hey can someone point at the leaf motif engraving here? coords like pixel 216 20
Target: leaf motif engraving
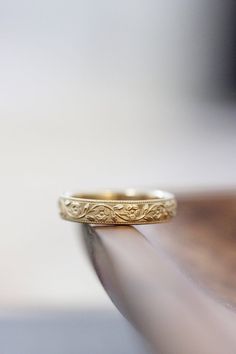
pixel 125 213
pixel 118 206
pixel 91 218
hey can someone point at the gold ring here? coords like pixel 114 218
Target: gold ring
pixel 118 208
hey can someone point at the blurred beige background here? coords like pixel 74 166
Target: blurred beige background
pixel 99 94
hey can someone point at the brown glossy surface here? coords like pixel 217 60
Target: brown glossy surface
pixel 175 282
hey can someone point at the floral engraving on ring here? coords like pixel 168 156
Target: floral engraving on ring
pixel 74 208
pixel 118 213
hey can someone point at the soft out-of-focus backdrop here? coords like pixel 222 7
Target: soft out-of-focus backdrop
pixel 103 94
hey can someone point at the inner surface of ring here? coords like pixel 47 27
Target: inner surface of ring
pixel 129 195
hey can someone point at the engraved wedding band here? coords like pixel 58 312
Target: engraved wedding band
pixel 118 208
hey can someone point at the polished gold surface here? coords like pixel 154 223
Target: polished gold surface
pixel 116 208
